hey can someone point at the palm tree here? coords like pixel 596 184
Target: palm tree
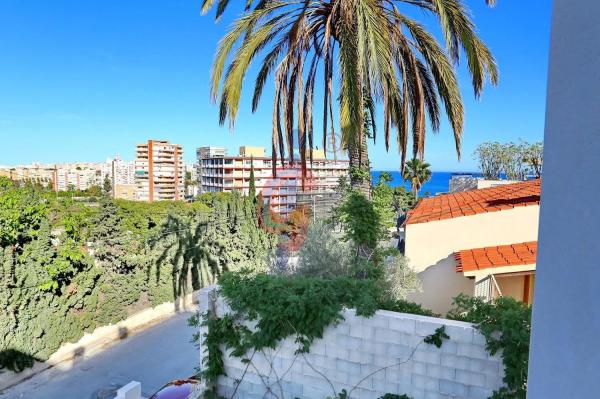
pixel 376 53
pixel 418 173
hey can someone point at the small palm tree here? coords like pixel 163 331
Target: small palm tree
pixel 418 173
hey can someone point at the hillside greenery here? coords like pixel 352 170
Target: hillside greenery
pixel 67 266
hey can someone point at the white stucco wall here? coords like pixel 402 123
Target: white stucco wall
pixel 482 183
pixel 440 283
pixel 362 347
pixel 565 355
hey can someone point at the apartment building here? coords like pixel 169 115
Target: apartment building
pixel 79 176
pixel 159 171
pixel 36 173
pixel 219 172
pixel 122 172
pixel 123 178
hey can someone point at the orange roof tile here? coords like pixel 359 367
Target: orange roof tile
pixel 473 202
pixel 504 255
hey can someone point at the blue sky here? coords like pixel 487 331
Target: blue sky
pixel 84 80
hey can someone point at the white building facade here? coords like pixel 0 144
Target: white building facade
pixel 219 172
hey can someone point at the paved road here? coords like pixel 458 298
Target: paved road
pixel 153 357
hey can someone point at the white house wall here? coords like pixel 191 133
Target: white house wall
pixel 440 284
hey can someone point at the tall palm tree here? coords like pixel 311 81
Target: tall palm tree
pixel 417 173
pixel 370 50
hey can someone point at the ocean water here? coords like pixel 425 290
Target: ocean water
pixel 438 183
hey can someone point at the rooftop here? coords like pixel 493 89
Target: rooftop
pixel 490 257
pixel 473 202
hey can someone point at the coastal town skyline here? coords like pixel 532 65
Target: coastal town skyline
pixel 106 89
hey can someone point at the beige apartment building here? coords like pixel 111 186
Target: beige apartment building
pixel 159 171
pixel 36 173
pixel 219 172
pixel 79 176
pixel 479 242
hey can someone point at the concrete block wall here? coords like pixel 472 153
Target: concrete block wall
pixel 368 357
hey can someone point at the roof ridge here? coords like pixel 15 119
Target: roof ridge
pixel 477 201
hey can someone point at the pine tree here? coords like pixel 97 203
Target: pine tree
pixel 109 240
pixel 107 186
pixel 252 190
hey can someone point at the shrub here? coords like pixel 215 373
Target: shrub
pixel 400 278
pixel 323 253
pixel 360 222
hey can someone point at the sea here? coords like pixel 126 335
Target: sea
pixel 438 184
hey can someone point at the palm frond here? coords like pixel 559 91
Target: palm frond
pixel 368 54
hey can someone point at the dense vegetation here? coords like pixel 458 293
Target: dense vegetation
pixel 67 267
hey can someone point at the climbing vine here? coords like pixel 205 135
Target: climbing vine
pixel 437 338
pixel 506 325
pixel 283 307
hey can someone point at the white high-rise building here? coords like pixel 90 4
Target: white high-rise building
pixel 220 172
pixel 123 178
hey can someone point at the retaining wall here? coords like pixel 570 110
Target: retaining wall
pixel 101 338
pixel 368 357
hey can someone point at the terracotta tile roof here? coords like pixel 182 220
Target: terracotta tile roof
pixel 504 255
pixel 473 202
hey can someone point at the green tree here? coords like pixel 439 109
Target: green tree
pixel 403 199
pixel 188 181
pixel 533 155
pixel 22 211
pixel 252 189
pixel 145 254
pixel 417 173
pixel 110 241
pixel 372 48
pixel 361 223
pixel 61 263
pixel 383 200
pixel 107 185
pixel 401 280
pixel 6 183
pixel 92 191
pixel 490 162
pixel 513 160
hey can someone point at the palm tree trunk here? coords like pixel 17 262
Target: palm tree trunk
pixel 358 156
